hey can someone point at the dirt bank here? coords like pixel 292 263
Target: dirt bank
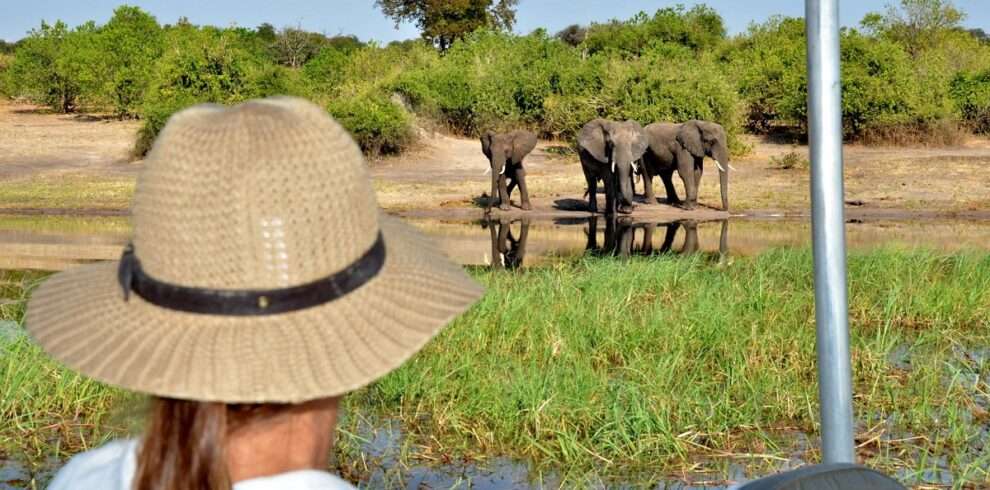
pixel 74 157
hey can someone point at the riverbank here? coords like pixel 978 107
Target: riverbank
pixel 679 366
pixel 77 164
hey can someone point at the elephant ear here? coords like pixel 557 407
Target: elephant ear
pixel 523 143
pixel 486 143
pixel 593 139
pixel 689 137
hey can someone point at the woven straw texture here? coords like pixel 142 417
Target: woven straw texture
pixel 268 194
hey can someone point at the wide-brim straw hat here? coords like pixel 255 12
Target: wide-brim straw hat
pixel 257 202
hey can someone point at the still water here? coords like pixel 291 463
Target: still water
pixel 54 243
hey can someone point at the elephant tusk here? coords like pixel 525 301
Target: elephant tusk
pixel 501 258
pixel 732 168
pixel 613 166
pixel 487 171
pixel 719 165
pixel 502 172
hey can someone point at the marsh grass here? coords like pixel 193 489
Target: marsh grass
pixel 67 192
pixel 640 369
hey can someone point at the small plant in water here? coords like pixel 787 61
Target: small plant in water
pixel 789 160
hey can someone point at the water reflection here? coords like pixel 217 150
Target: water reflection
pixel 625 237
pixel 508 249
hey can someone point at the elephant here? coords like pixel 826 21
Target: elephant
pixel 505 152
pixel 683 147
pixel 507 250
pixel 621 238
pixel 608 151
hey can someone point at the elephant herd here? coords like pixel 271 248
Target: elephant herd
pixel 613 153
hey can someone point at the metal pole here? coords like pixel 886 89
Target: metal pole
pixel 828 231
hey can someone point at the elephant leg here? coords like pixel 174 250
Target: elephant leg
pixel 592 181
pixel 524 193
pixel 667 176
pixel 492 225
pixel 648 238
pixel 610 197
pixel 651 198
pixel 690 238
pixel 668 238
pixel 592 243
pixel 503 194
pixel 493 196
pixel 699 170
pixel 685 167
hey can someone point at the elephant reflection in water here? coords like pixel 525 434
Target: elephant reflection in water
pixel 621 238
pixel 507 249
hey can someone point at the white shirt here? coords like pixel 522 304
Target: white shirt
pixel 112 466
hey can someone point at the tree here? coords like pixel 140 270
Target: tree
pixel 572 34
pixel 915 24
pixel 294 46
pixel 444 21
pixel 129 43
pixel 266 32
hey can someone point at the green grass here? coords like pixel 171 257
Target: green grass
pixel 63 225
pixel 66 192
pixel 652 367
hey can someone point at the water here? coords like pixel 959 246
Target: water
pixel 47 243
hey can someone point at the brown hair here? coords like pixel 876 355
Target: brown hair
pixel 184 445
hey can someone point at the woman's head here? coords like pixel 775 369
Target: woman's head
pixel 261 276
pixel 193 445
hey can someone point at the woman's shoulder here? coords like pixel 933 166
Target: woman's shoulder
pixel 110 467
pixel 296 480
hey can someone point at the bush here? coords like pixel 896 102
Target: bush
pixel 199 65
pixel 971 96
pixel 377 124
pixel 701 28
pixel 789 160
pixel 40 71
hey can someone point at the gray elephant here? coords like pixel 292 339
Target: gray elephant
pixel 683 147
pixel 505 152
pixel 608 151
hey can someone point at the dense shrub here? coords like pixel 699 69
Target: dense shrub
pixel 971 95
pixel 377 124
pixel 700 28
pixel 39 69
pixel 673 65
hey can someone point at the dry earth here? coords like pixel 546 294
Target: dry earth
pixel 444 176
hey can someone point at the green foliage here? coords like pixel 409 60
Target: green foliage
pixel 971 95
pixel 912 70
pixel 40 69
pixel 377 124
pixel 916 25
pixel 442 23
pixel 128 46
pixel 769 64
pixel 496 80
pixel 700 28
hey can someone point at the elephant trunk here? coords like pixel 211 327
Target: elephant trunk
pixel 624 176
pixel 721 156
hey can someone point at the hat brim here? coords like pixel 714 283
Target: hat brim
pixel 80 318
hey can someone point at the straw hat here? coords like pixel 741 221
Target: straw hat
pixel 261 269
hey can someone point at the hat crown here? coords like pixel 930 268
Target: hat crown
pixel 268 194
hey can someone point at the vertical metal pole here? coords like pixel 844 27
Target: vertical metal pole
pixel 828 231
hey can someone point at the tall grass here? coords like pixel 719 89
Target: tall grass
pixel 654 366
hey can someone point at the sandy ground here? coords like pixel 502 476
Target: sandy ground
pixel 444 176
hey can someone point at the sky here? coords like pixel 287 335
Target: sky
pixel 361 18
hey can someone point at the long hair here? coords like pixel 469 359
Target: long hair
pixel 184 445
